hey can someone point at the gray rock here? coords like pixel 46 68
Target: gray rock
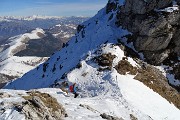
pixel 151 25
pixel 39 108
pixel 89 108
pixel 178 2
pixel 163 3
pixel 153 43
pixel 154 32
pixel 143 6
pixel 173 18
pixel 176 41
pixel 137 6
pixel 157 57
pixel 109 117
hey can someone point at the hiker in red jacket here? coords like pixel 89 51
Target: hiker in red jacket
pixel 73 88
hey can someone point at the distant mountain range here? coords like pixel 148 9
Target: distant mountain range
pixel 36 38
pixel 11 26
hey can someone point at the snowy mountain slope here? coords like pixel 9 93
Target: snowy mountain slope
pixel 18 43
pixel 104 73
pixel 16 66
pixel 102 90
pixel 88 38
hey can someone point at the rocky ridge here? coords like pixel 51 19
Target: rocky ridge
pixel 34 105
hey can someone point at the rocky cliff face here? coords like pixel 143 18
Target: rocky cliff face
pixel 154 25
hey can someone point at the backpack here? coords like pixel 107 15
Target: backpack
pixel 71 88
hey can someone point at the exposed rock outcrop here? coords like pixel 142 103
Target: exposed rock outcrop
pixel 32 105
pixel 178 2
pixel 41 106
pixel 144 6
pixel 176 41
pixel 154 28
pixel 105 60
pixel 109 117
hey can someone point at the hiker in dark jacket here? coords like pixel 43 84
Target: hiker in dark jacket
pixel 73 88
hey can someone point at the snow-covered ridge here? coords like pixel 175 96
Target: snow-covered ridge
pixel 16 66
pixel 18 43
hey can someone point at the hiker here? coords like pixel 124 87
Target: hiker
pixel 73 88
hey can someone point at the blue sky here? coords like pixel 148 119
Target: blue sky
pixel 51 7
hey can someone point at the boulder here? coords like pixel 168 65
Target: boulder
pixel 109 117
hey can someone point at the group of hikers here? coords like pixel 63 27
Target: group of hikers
pixel 65 87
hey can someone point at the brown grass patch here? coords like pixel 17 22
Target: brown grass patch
pixel 105 60
pixel 125 67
